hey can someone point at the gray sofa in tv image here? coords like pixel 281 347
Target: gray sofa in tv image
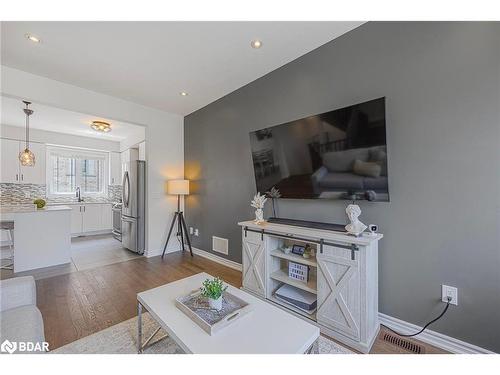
pixel 357 169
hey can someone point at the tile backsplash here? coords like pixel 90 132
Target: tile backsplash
pixel 14 194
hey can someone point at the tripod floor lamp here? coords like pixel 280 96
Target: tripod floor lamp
pixel 178 187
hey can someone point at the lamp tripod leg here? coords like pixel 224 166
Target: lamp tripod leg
pixel 183 223
pixel 169 233
pixel 181 233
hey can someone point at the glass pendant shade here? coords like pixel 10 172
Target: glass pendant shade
pixel 27 158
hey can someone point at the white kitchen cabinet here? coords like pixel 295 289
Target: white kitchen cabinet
pixel 142 150
pixel 13 172
pixel 76 219
pixel 91 218
pixel 106 217
pixel 127 156
pixel 254 263
pixel 10 162
pixel 115 176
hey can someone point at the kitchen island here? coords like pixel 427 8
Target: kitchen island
pixel 42 238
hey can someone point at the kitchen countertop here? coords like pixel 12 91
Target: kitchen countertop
pixel 75 203
pixel 32 209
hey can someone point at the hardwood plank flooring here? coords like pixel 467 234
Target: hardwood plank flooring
pixel 81 303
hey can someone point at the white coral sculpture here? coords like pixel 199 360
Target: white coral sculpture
pixel 273 193
pixel 258 201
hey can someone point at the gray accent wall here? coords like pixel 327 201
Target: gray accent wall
pixel 442 87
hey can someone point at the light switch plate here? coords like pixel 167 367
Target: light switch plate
pixel 449 291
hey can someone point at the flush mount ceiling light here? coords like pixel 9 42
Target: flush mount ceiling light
pixel 101 126
pixel 256 43
pixel 33 38
pixel 183 93
pixel 26 157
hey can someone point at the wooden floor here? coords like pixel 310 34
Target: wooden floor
pixel 81 303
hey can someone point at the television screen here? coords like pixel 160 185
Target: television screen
pixel 341 154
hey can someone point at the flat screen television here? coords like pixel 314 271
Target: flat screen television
pixel 341 154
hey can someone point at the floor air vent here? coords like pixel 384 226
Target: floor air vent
pixel 403 343
pixel 220 245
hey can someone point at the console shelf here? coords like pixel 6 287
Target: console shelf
pixel 288 306
pixel 282 276
pixel 294 258
pixel 343 276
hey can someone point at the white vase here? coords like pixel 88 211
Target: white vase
pixel 259 216
pixel 215 304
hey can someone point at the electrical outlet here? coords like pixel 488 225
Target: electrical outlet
pixel 449 291
pixel 191 231
pixel 196 232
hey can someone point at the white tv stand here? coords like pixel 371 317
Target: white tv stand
pixel 343 274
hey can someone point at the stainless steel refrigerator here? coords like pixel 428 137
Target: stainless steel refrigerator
pixel 134 206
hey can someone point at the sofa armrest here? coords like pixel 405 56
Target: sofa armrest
pixel 319 174
pixel 16 292
pixel 316 177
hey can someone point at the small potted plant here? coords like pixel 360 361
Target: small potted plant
pixel 213 291
pixel 40 203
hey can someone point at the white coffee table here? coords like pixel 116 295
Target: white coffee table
pixel 265 329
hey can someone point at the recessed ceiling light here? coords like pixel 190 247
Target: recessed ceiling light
pixel 101 126
pixel 183 93
pixel 33 38
pixel 256 43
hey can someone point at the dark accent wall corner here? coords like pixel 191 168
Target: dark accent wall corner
pixel 441 82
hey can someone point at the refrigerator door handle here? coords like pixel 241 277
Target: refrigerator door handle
pixel 126 189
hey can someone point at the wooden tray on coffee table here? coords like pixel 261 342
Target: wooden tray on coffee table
pixel 196 307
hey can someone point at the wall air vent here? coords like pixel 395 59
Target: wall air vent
pixel 220 245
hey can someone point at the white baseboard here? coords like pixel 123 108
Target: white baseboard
pixel 218 259
pixel 201 253
pixel 94 233
pixel 158 252
pixel 439 340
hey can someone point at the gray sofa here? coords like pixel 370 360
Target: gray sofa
pixel 337 173
pixel 21 321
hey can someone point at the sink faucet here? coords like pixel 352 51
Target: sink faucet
pixel 78 194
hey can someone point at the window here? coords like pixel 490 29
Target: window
pixel 69 168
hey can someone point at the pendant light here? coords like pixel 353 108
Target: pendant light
pixel 26 157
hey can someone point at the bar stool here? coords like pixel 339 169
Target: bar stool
pixel 7 227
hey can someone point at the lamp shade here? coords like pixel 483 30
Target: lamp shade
pixel 178 187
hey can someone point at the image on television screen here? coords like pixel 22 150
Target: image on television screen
pixel 341 154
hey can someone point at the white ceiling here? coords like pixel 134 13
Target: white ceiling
pixel 67 122
pixel 150 63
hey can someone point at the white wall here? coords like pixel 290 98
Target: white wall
pixel 164 138
pixel 43 136
pixel 132 141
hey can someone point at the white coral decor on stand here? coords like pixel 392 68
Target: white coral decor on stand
pixel 258 203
